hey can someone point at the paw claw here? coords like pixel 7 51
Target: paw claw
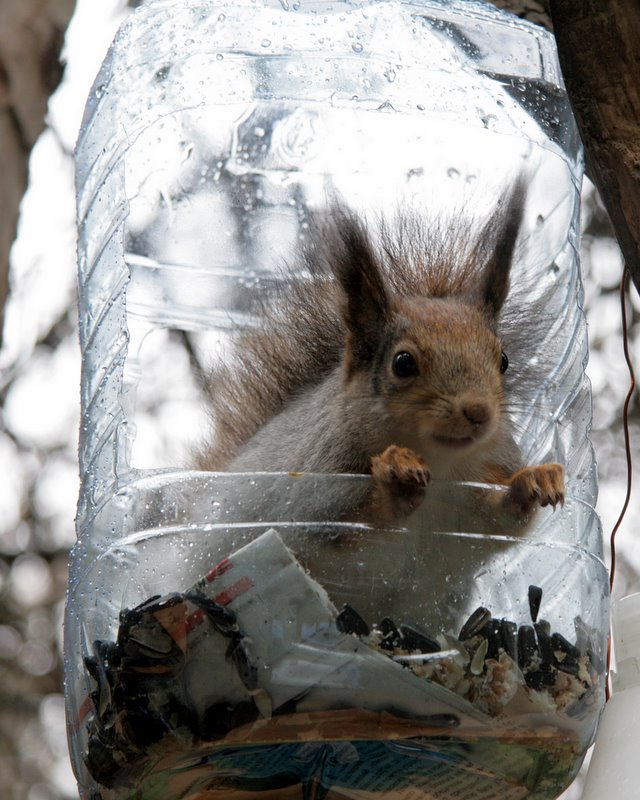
pixel 531 486
pixel 400 477
pixel 400 465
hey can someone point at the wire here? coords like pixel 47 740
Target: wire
pixel 624 282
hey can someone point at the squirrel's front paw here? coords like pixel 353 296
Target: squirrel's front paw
pixel 400 477
pixel 400 465
pixel 533 486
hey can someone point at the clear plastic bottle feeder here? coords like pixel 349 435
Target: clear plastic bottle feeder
pixel 246 635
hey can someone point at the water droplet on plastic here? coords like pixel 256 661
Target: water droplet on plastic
pixel 162 73
pixel 488 120
pixel 265 43
pixel 357 47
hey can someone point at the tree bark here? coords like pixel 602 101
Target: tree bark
pixel 31 37
pixel 599 49
pixel 532 10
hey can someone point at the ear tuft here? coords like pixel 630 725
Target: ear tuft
pixel 366 306
pixel 501 235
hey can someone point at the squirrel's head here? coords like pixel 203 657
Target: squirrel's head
pixel 432 358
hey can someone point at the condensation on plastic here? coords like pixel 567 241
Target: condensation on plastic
pixel 211 129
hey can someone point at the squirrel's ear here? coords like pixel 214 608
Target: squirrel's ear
pixel 366 305
pixel 500 237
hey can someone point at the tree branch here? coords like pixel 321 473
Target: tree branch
pixel 31 36
pixel 598 45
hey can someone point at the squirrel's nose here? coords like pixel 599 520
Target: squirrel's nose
pixel 477 412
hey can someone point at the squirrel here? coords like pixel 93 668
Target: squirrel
pixel 383 356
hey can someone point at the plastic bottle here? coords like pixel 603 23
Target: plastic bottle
pixel 613 768
pixel 211 130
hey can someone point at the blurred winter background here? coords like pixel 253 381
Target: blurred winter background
pixel 39 391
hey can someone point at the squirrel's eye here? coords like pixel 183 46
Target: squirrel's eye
pixel 404 365
pixel 504 364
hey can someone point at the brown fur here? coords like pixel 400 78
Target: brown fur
pixel 314 387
